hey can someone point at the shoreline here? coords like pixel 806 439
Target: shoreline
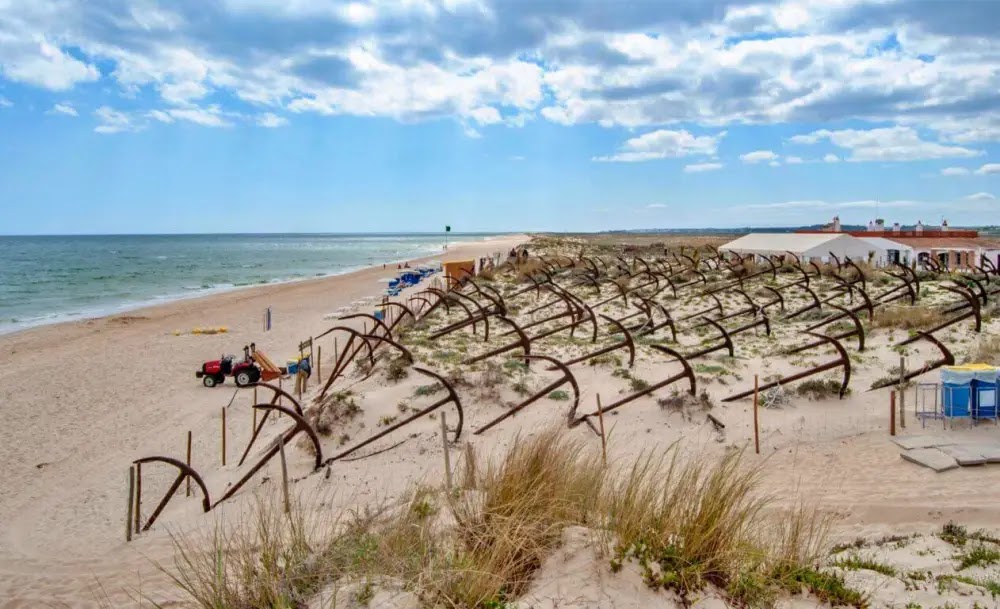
pixel 163 301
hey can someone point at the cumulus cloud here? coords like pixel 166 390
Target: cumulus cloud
pixel 916 65
pixel 702 167
pixel 758 156
pixel 831 158
pixel 988 169
pixel 885 144
pixel 42 64
pixel 65 109
pixel 271 120
pixel 981 196
pixel 114 121
pixel 955 171
pixel 662 144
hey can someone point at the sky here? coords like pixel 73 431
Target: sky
pixel 157 116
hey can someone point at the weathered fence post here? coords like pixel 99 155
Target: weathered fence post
pixel 756 417
pixel 892 413
pixel 223 436
pixel 131 503
pixel 447 457
pixel 187 492
pixel 604 441
pixel 284 473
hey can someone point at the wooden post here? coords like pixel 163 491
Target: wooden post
pixel 447 457
pixel 756 417
pixel 131 503
pixel 319 360
pixel 138 495
pixel 279 396
pixel 892 413
pixel 187 492
pixel 902 392
pixel 604 440
pixel 254 423
pixel 223 436
pixel 284 473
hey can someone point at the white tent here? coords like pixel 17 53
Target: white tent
pixel 807 246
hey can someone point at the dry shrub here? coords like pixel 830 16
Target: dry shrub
pixel 335 409
pixel 987 350
pixel 528 268
pixel 907 318
pixel 542 485
pixel 819 389
pixel 398 369
pixel 689 523
pixel 491 381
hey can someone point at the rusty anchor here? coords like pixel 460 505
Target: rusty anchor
pixel 843 361
pixel 567 377
pixel 185 472
pixel 947 359
pixel 687 373
pixel 451 397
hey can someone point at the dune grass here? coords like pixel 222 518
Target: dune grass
pixel 686 523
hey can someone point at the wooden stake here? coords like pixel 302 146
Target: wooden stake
pixel 892 413
pixel 138 495
pixel 131 503
pixel 284 473
pixel 319 360
pixel 223 436
pixel 187 493
pixel 604 440
pixel 447 457
pixel 902 392
pixel 254 424
pixel 756 417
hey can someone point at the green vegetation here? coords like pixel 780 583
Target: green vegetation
pixel 855 562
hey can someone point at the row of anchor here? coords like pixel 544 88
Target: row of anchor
pixel 645 285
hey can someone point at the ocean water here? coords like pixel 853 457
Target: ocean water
pixel 58 278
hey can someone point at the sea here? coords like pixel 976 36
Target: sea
pixel 49 279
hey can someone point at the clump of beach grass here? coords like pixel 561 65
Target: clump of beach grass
pixel 686 523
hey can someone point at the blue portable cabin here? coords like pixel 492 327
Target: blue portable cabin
pixel 969 391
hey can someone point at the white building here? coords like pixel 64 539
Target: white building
pixel 807 246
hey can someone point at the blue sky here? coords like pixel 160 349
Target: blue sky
pixel 141 116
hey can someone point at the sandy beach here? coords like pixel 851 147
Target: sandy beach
pixel 82 400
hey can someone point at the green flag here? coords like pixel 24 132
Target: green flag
pixel 447 228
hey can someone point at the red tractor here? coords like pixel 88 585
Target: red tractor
pixel 215 372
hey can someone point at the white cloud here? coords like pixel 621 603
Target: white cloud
pixel 42 64
pixel 885 144
pixel 271 120
pixel 210 116
pixel 5 103
pixel 793 160
pixel 775 164
pixel 485 115
pixel 161 116
pixel 831 158
pixel 988 169
pixel 517 158
pixel 65 109
pixel 758 156
pixel 656 206
pixel 662 144
pixel 702 167
pixel 955 171
pixel 113 121
pixel 712 64
pixel 981 196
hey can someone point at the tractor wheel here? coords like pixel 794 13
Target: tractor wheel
pixel 254 375
pixel 244 378
pixel 208 381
